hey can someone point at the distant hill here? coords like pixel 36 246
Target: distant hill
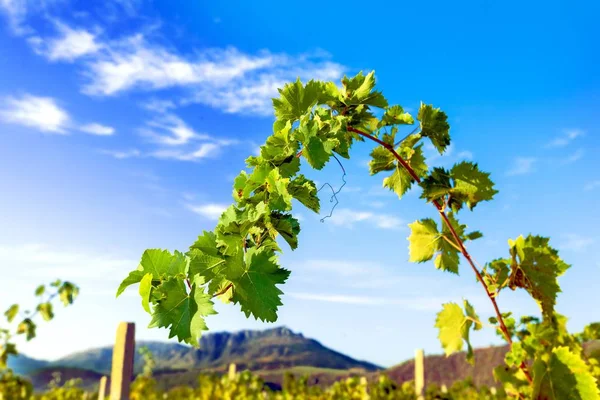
pixel 24 365
pixel 269 353
pixel 446 370
pixel 255 350
pixel 275 350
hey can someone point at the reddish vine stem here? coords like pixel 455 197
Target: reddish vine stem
pixel 223 291
pixel 463 250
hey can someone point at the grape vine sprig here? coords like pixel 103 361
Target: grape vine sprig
pixel 66 291
pixel 237 261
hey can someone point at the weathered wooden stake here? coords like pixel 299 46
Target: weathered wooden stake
pixel 122 361
pixel 232 371
pixel 102 388
pixel 419 374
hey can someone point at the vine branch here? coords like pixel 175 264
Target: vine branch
pixel 222 291
pixel 460 243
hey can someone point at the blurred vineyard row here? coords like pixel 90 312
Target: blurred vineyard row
pixel 247 386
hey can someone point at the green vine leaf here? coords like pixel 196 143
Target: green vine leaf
pixel 133 278
pixel 381 160
pixel 40 290
pixel 516 355
pixel 426 242
pixel 395 115
pixel 45 310
pixel 160 263
pixel 359 90
pixel 423 240
pixel 145 290
pixel 7 350
pixel 12 312
pixel 27 327
pixel 67 293
pixel 591 332
pixel 434 125
pixel 564 376
pixel 316 150
pixel 287 226
pixel 305 192
pixel 454 327
pixel 296 100
pixel 183 314
pixel 463 184
pixel 256 290
pixel 535 267
pixel 401 180
pixel 205 265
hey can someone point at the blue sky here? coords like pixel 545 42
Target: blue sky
pixel 123 124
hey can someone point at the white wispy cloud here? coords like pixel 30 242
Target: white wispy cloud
pixel 416 303
pixel 522 166
pixel 47 262
pixel 210 211
pixel 176 140
pixel 70 45
pixel 205 150
pixel 576 242
pixel 122 154
pixel 374 204
pixel 566 138
pixel 130 6
pixel 348 218
pixel 177 131
pixel 97 129
pixel 15 12
pixel 133 62
pixel 158 105
pixel 42 113
pixel 575 156
pixel 223 78
pixel 202 151
pixel 591 185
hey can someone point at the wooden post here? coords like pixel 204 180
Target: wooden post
pixel 419 374
pixel 102 388
pixel 122 361
pixel 232 371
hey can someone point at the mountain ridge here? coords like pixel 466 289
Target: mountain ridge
pixel 269 353
pixel 269 349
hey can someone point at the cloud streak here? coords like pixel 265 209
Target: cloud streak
pixel 97 129
pixel 416 303
pixel 69 46
pixel 223 78
pixel 522 166
pixel 346 217
pixel 566 138
pixel 44 261
pixel 575 242
pixel 211 211
pixel 42 113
